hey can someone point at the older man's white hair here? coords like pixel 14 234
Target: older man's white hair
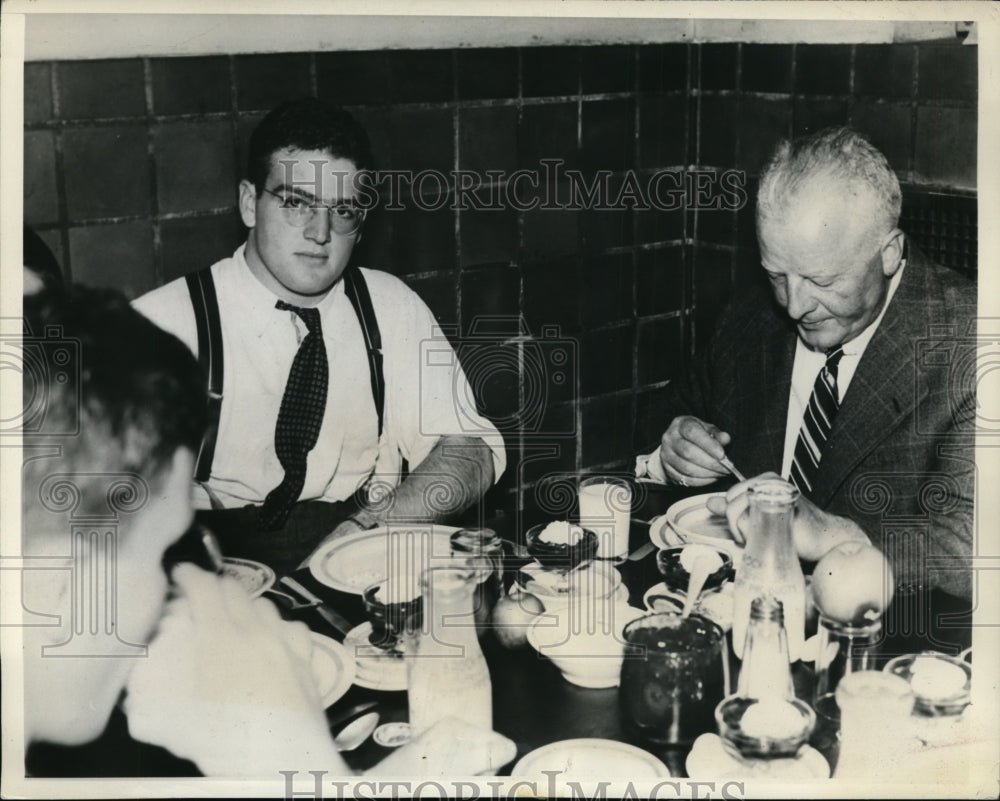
pixel 832 157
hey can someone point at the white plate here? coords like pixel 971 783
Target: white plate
pixel 691 521
pixel 352 563
pixel 332 667
pixel 591 758
pixel 374 668
pixel 254 577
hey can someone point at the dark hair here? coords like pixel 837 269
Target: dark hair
pixel 130 398
pixel 307 124
pixel 40 258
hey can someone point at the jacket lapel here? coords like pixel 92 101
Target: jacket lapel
pixel 884 391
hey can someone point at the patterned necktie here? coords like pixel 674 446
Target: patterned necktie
pixel 299 419
pixel 816 423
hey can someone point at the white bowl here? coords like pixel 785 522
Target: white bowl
pixel 584 640
pixel 556 590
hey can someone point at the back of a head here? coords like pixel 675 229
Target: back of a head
pixel 307 123
pixel 832 157
pixel 116 393
pixel 39 258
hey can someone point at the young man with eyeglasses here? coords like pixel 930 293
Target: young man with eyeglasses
pixel 326 384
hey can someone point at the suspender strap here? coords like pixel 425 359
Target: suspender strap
pixel 206 315
pixel 361 300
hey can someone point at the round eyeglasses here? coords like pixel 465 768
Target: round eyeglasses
pixel 345 219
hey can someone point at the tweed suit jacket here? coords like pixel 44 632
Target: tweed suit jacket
pixel 900 457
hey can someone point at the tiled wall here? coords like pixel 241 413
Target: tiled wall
pixel 131 168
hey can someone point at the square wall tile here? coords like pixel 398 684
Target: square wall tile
pixel 606 430
pixel 608 140
pixel 660 280
pixel 420 76
pixel 487 72
pixel 547 132
pixel 353 78
pixel 946 146
pixel 718 125
pixel 653 225
pixel 822 69
pixel 607 68
pixel 663 68
pixel 547 461
pixel 422 139
pixel 190 244
pixel 884 70
pixel 422 240
pixel 195 168
pixel 487 236
pixel 264 82
pixel 661 349
pixel 103 88
pixel 438 292
pixel 118 256
pixel 607 289
pixel 550 232
pixel 606 360
pixel 487 139
pixel 378 126
pixel 716 225
pixel 712 279
pixel 718 65
pixel 106 171
pixel 649 420
pixel 889 127
pixel 191 85
pixel 493 371
pixel 549 71
pixel 552 296
pixel 948 73
pixel 763 123
pixel 767 68
pixel 663 130
pixel 41 203
pixel 810 114
pixel 37 92
pixel 493 292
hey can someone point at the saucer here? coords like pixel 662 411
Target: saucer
pixel 374 668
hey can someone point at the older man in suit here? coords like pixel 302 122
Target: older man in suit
pixel 846 377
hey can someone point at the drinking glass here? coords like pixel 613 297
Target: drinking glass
pixel 675 672
pixel 606 509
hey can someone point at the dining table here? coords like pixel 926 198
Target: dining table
pixel 533 704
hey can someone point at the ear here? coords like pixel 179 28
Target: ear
pixel 248 203
pixel 892 252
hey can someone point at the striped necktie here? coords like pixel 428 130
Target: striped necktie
pixel 299 418
pixel 816 424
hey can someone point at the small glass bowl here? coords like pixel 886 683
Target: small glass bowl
pixel 676 577
pixel 561 555
pixel 934 702
pixel 729 715
pixel 388 619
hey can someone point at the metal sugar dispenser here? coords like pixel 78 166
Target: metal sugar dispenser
pixel 764 719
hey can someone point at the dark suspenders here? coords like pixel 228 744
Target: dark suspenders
pixel 206 315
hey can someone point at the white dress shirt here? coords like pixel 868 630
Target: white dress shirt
pixel 427 394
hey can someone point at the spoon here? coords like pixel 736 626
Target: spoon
pixel 703 563
pixel 356 732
